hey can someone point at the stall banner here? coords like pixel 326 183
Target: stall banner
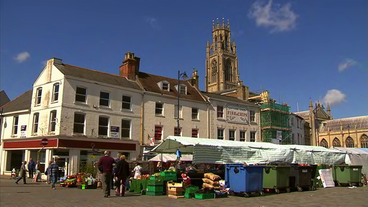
pixel 236 114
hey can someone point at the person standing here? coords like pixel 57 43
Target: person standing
pixel 122 173
pixel 105 166
pixel 54 173
pixel 137 170
pixel 31 167
pixel 22 173
pixel 48 172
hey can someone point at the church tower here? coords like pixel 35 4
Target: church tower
pixel 221 59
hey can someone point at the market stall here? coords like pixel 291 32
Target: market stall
pixel 227 152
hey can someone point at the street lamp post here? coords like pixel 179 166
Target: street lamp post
pixel 184 76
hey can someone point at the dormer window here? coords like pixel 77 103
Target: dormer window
pixel 182 89
pixel 164 85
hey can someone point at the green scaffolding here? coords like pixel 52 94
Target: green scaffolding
pixel 274 118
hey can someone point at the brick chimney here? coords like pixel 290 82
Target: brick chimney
pixel 242 92
pixel 130 66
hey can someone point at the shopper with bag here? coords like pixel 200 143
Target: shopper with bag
pixel 105 166
pixel 121 173
pixel 22 173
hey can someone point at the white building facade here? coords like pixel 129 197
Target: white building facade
pixel 297 129
pixel 80 112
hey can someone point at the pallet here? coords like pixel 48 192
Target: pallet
pixel 174 196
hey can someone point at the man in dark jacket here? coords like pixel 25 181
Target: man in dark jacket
pixel 31 167
pixel 122 173
pixel 105 166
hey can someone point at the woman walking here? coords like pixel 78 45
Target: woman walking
pixel 122 173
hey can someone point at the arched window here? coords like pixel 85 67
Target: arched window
pixel 214 72
pixel 228 71
pixel 364 141
pixel 336 142
pixel 349 142
pixel 324 143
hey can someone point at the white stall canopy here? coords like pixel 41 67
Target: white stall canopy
pixel 227 152
pixel 171 157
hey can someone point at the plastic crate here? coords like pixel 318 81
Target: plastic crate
pixel 153 193
pixel 204 195
pixel 156 182
pixel 189 195
pixel 169 176
pixel 191 189
pixel 155 188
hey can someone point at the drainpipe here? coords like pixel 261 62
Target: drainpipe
pixel 142 125
pixel 208 119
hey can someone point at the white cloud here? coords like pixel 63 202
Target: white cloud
pixel 21 57
pixel 347 63
pixel 278 18
pixel 43 63
pixel 334 97
pixel 153 22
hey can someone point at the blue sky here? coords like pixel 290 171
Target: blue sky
pixel 298 50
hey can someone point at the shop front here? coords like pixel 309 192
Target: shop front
pixel 71 154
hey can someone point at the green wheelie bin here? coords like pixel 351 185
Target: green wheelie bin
pixel 348 175
pixel 276 177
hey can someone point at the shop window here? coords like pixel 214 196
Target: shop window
pixel 231 134
pixel 158 133
pixel 195 133
pixel 81 95
pixel 220 133
pixel 79 120
pixel 252 136
pixel 242 136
